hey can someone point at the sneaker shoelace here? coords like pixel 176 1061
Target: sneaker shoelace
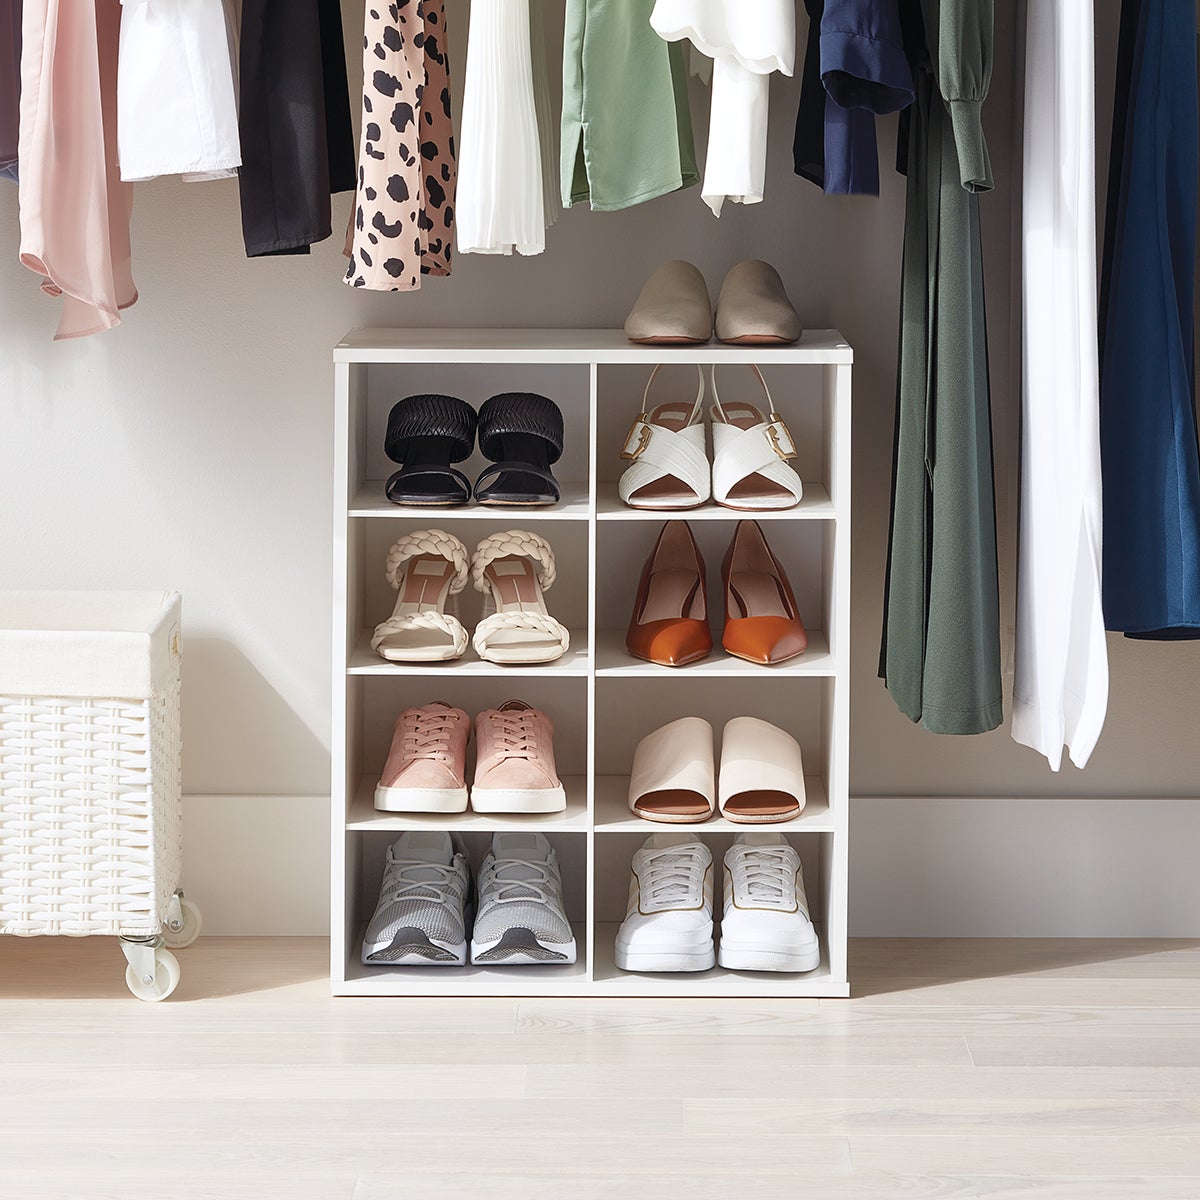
pixel 506 880
pixel 673 877
pixel 766 876
pixel 427 736
pixel 418 880
pixel 515 733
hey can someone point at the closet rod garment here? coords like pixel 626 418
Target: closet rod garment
pixel 940 656
pixel 1151 463
pixel 501 198
pixel 403 220
pixel 10 86
pixel 1060 692
pixel 747 44
pixel 74 208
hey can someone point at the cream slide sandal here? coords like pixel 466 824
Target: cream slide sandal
pixel 673 776
pixel 666 451
pixel 762 773
pixel 428 569
pixel 750 456
pixel 512 570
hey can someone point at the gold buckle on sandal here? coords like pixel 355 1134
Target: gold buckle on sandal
pixel 644 434
pixel 784 446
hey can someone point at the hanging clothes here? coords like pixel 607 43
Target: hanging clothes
pixel 10 86
pixel 74 208
pixel 626 121
pixel 1151 464
pixel 747 45
pixel 404 213
pixel 547 123
pixel 855 68
pixel 940 655
pixel 176 103
pixel 296 134
pixel 500 191
pixel 1060 693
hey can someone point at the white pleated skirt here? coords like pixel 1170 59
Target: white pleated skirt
pixel 501 196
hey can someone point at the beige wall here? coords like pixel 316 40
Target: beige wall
pixel 191 448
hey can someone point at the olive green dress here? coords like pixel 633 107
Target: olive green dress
pixel 626 122
pixel 941 641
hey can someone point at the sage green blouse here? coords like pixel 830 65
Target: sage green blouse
pixel 626 122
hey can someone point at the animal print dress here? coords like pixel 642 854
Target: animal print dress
pixel 403 219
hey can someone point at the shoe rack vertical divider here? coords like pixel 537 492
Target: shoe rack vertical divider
pixel 601 700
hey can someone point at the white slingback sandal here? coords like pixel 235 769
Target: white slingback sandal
pixel 668 465
pixel 512 570
pixel 750 468
pixel 428 569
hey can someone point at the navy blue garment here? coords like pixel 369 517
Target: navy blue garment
pixel 854 69
pixel 1148 437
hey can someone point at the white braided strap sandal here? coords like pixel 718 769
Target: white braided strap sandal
pixel 668 466
pixel 513 570
pixel 428 569
pixel 750 456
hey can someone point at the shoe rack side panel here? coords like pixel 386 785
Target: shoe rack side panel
pixel 835 874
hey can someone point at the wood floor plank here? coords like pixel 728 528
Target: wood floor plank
pixel 1037 990
pixel 966 1116
pixel 1135 1155
pixel 484 1153
pixel 798 1018
pixel 1039 1050
pixel 710 1186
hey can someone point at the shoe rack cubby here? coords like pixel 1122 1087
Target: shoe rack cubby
pixel 601 700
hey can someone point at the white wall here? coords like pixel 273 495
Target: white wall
pixel 191 448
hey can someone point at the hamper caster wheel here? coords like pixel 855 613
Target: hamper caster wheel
pixel 183 924
pixel 158 987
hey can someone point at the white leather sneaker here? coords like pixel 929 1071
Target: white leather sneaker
pixel 668 924
pixel 765 924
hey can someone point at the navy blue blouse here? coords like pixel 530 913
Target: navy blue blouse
pixel 855 68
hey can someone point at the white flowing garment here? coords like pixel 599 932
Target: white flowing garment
pixel 176 90
pixel 747 43
pixel 1061 686
pixel 501 196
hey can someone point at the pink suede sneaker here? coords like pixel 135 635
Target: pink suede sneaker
pixel 515 769
pixel 426 766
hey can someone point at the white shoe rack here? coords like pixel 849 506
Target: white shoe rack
pixel 602 701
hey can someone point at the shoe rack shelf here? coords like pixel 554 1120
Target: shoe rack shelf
pixel 601 700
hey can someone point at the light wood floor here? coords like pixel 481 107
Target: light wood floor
pixel 1038 1070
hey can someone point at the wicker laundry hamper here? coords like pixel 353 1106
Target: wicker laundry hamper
pixel 90 796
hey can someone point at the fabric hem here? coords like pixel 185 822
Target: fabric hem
pixel 887 83
pixel 199 168
pixel 680 183
pixel 758 66
pixel 974 163
pixel 262 248
pixel 963 721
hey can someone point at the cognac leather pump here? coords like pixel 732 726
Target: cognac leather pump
pixel 669 625
pixel 762 623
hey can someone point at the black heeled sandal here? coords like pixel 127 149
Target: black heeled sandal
pixel 522 433
pixel 426 434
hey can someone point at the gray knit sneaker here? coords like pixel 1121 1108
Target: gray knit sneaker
pixel 421 918
pixel 521 916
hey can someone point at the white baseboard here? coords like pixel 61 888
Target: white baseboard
pixel 1024 868
pixel 918 867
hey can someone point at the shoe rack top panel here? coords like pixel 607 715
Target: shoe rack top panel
pixel 816 347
